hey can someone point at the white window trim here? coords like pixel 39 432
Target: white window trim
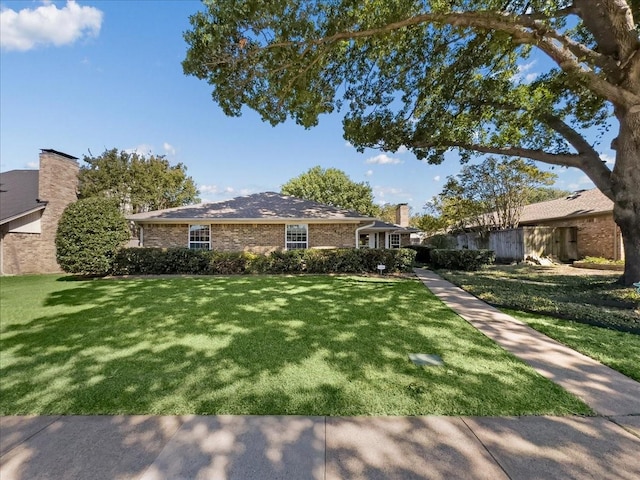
pixel 391 245
pixel 286 242
pixel 189 242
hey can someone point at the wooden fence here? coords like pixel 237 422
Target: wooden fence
pixel 517 244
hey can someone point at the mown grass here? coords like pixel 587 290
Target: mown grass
pixel 588 298
pixel 308 345
pixel 618 350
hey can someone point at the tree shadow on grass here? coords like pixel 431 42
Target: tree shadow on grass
pixel 260 345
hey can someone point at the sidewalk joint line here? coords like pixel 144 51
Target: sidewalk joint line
pixel 32 435
pixel 486 448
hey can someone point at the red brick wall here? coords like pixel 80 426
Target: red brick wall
pixel 36 252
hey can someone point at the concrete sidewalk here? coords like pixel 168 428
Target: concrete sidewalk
pixel 605 390
pixel 254 447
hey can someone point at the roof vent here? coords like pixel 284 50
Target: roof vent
pixel 575 195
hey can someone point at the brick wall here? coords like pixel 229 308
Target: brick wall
pixel 598 235
pixel 332 235
pixel 258 238
pixel 36 252
pixel 165 236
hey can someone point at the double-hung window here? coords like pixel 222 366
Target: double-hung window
pixel 200 237
pixel 296 236
pixel 394 240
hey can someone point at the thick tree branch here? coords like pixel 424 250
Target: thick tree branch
pixel 566 53
pixel 595 169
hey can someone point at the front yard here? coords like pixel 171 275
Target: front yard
pixel 308 345
pixel 584 309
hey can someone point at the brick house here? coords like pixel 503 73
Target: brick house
pixel 590 212
pixel 31 204
pixel 265 222
pixel 570 228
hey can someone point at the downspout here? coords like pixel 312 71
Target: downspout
pixel 358 233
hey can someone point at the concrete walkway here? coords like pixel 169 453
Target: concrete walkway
pixel 252 447
pixel 605 390
pixel 292 447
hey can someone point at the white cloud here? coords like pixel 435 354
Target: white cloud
pixel 524 74
pixel 402 149
pixel 215 190
pixel 348 144
pixel 48 25
pixel 608 159
pixel 383 159
pixel 582 183
pixel 142 149
pixel 32 165
pixel 168 148
pixel 368 173
pixel 436 178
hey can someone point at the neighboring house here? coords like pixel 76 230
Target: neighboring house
pixel 569 228
pixel 590 212
pixel 263 223
pixel 31 204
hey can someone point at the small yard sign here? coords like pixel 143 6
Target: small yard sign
pixel 381 268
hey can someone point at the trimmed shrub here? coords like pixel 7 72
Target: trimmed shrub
pixel 90 234
pixel 150 261
pixel 442 241
pixel 423 252
pixel 469 260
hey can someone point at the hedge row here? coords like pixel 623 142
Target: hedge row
pixel 157 261
pixel 469 260
pixel 423 252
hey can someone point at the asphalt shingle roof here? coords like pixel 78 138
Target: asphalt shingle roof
pixel 583 202
pixel 259 206
pixel 18 193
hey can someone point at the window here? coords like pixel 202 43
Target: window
pixel 199 237
pixel 296 237
pixel 394 240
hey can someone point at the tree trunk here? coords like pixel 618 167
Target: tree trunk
pixel 625 181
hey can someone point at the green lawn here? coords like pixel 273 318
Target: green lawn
pixel 619 350
pixel 309 345
pixel 572 307
pixel 559 291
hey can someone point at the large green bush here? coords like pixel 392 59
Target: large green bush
pixel 89 235
pixel 145 261
pixel 423 252
pixel 469 260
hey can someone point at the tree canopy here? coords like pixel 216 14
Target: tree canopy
pixel 437 75
pixel 489 195
pixel 332 187
pixel 138 183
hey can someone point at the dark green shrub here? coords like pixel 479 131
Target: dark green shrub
pixel 156 261
pixel 287 261
pixel 442 241
pixel 469 260
pixel 89 235
pixel 227 263
pixel 180 260
pixel 423 252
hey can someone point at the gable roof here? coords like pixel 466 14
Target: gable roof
pixel 267 206
pixel 580 203
pixel 18 194
pixel 384 226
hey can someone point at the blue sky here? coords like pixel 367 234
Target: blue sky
pixel 87 76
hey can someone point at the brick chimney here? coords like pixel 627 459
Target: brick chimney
pixel 402 215
pixel 58 187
